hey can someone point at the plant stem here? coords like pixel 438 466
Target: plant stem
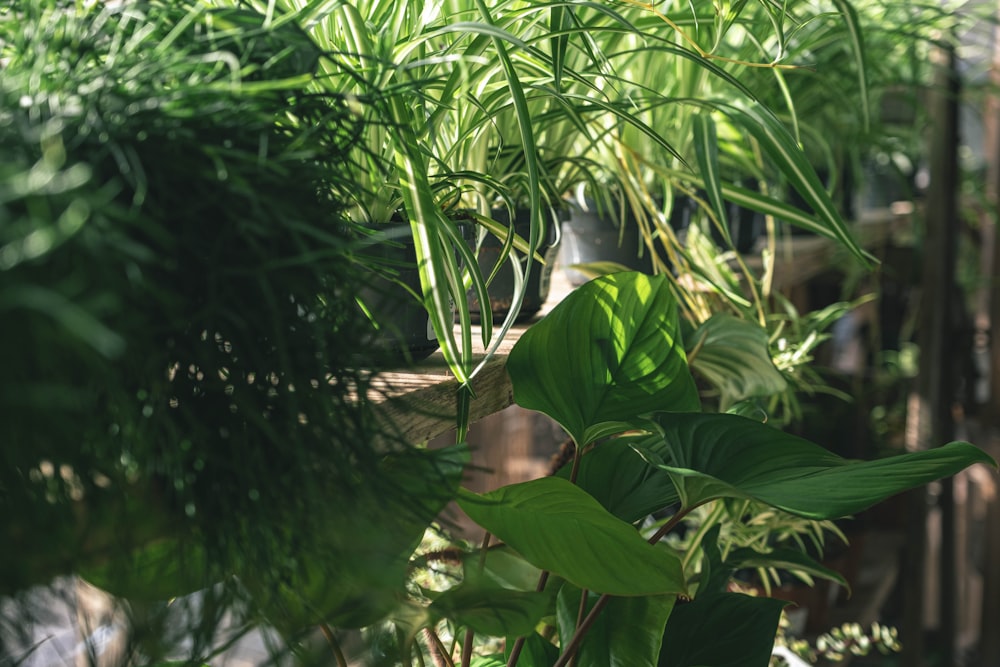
pixel 574 643
pixel 467 643
pixel 437 650
pixel 670 524
pixel 515 651
pixel 338 655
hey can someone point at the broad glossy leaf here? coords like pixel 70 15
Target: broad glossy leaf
pixel 558 527
pixel 733 356
pixel 622 481
pixel 711 456
pixel 609 352
pixel 628 632
pixel 724 630
pixel 488 609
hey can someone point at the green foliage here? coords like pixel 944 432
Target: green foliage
pixel 558 527
pixel 566 526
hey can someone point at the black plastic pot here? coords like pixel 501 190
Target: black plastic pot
pixel 590 236
pixel 501 289
pixel 401 327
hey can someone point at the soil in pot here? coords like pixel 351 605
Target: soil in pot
pixel 590 236
pixel 501 289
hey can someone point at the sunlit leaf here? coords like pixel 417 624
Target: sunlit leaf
pixel 609 352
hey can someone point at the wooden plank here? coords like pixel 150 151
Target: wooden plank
pixel 423 403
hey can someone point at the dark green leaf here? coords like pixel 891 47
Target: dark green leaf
pixel 609 352
pixel 558 527
pixel 725 630
pixel 711 456
pixel 622 481
pixel 537 651
pixel 628 631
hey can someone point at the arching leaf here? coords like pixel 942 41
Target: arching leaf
pixel 711 456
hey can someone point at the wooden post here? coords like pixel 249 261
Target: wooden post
pixel 932 425
pixel 989 643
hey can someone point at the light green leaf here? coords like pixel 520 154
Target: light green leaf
pixel 779 145
pixel 722 630
pixel 609 352
pixel 711 456
pixel 706 148
pixel 628 632
pixel 488 661
pixel 558 527
pixel 790 560
pixel 733 356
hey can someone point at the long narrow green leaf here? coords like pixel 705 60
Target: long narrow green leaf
pixel 706 148
pixel 857 42
pixel 775 140
pixel 710 456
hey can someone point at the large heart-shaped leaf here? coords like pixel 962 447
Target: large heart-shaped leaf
pixel 558 527
pixel 711 456
pixel 622 481
pixel 610 351
pixel 733 356
pixel 722 630
pixel 629 631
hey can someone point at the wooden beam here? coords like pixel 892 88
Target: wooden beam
pixel 932 425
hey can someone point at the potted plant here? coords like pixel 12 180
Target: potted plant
pixel 595 561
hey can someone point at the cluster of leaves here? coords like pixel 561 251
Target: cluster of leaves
pixel 175 278
pixel 628 555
